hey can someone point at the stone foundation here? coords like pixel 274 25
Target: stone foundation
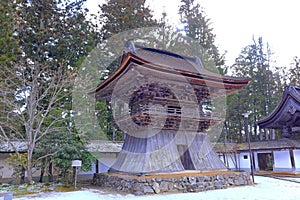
pixel 177 182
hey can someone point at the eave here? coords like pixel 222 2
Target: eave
pixel 286 113
pixel 204 77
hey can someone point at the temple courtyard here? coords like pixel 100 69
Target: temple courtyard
pixel 264 188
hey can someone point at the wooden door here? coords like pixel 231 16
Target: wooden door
pixel 185 157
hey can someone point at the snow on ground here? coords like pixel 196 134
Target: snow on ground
pixel 265 188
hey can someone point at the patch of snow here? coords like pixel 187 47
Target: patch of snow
pixel 265 188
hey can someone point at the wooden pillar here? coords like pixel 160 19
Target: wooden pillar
pixel 272 134
pixel 253 161
pixel 97 166
pixel 260 135
pixel 292 159
pixel 267 134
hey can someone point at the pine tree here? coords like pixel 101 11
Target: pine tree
pixel 117 16
pixel 198 27
pixel 294 72
pixel 259 96
pixel 122 15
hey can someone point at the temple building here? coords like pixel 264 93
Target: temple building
pixel 280 155
pixel 160 101
pixel 286 116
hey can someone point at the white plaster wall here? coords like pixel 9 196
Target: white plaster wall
pixel 297 159
pixel 255 158
pixel 233 161
pixel 106 160
pixel 244 163
pixel 282 161
pixel 7 171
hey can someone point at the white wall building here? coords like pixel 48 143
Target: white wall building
pixel 281 155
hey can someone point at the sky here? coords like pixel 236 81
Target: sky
pixel 237 22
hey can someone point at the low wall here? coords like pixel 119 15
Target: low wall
pixel 192 182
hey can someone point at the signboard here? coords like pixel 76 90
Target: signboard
pixel 76 163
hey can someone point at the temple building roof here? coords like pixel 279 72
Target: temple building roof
pixel 286 115
pixel 164 64
pixel 278 144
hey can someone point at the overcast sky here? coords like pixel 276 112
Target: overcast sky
pixel 235 22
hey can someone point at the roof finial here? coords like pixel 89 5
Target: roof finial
pixel 129 46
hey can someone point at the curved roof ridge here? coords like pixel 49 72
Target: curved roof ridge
pixel 290 92
pixel 193 59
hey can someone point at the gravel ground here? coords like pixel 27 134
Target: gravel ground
pixel 265 188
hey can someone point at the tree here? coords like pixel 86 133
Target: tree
pixel 198 27
pixel 260 96
pixel 294 72
pixel 7 40
pixel 117 16
pixel 51 36
pixel 57 150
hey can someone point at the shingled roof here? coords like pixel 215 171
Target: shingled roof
pixel 156 61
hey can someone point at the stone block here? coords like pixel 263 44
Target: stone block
pixel 141 180
pixel 156 187
pixel 241 181
pixel 200 179
pixel 218 185
pixel 146 185
pixel 148 190
pixel 138 193
pixel 158 179
pixel 230 181
pixel 192 180
pixel 137 187
pixel 164 186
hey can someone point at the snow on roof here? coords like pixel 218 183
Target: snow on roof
pixel 284 143
pixel 104 146
pixel 6 147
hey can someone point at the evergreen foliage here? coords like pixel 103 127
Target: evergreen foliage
pixel 43 43
pixel 260 96
pixel 48 39
pixel 198 27
pixel 117 16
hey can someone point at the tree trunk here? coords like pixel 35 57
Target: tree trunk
pixel 22 176
pixel 51 172
pixel 29 165
pixel 42 175
pixel 255 129
pixel 29 174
